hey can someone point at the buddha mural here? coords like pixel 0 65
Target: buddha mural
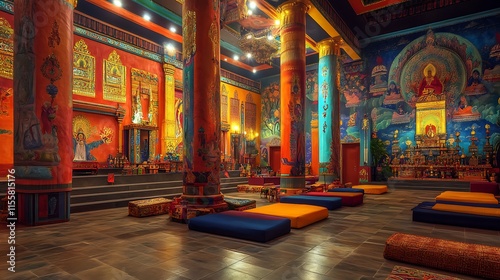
pixel 430 84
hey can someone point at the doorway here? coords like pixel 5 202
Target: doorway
pixel 275 158
pixel 350 163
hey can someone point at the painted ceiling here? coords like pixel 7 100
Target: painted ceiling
pixel 355 21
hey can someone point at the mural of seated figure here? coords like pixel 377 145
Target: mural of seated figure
pixel 465 112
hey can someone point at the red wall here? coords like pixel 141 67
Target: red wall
pixel 101 52
pixel 6 116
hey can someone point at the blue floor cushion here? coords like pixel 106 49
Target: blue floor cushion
pixel 330 203
pixel 243 225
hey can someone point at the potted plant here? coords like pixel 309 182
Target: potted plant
pixel 379 153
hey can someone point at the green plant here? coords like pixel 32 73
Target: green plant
pixel 378 150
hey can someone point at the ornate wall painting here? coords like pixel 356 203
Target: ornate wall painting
pixel 223 104
pixel 6 49
pixel 144 97
pixel 114 79
pixel 234 111
pixel 378 85
pixel 353 85
pixel 270 108
pixel 492 73
pixel 87 137
pixel 6 125
pixel 83 70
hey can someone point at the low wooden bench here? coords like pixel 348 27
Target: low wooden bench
pixel 149 207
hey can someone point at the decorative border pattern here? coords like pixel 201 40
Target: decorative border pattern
pixel 6 49
pixel 239 81
pixel 7 7
pixel 117 44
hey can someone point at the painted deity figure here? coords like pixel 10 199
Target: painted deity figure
pixel 474 84
pixel 82 149
pixel 430 84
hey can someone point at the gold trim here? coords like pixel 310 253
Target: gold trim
pixel 292 11
pixel 6 49
pixel 329 46
pixel 73 3
pixel 114 79
pixel 83 70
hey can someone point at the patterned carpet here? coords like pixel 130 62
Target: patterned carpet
pixel 407 273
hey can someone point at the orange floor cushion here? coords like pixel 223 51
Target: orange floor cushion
pixel 469 197
pixel 474 210
pixel 372 189
pixel 300 215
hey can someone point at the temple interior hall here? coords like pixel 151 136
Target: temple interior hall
pixel 252 139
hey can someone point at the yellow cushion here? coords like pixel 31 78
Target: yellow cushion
pixel 483 211
pixel 471 197
pixel 372 189
pixel 301 215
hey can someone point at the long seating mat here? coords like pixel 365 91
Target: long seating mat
pixel 301 215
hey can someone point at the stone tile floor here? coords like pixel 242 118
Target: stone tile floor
pixel 108 244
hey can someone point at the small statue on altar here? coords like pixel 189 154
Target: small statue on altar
pixel 430 130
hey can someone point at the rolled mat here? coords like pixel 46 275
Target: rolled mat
pixel 464 258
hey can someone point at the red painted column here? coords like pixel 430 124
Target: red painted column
pixel 43 141
pixel 202 125
pixel 293 81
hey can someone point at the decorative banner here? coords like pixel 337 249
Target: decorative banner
pixel 83 70
pixel 114 79
pixel 6 49
pixel 250 119
pixel 234 111
pixel 144 97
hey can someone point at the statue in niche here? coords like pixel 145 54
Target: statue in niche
pixel 430 84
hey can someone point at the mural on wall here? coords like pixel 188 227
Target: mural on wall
pixel 445 69
pixel 353 96
pixel 83 70
pixel 6 49
pixel 144 97
pixel 378 85
pixel 87 137
pixel 114 79
pixel 270 120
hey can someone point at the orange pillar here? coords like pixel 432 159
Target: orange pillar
pixel 293 80
pixel 314 148
pixel 201 104
pixel 43 140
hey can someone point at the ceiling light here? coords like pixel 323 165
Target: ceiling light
pixel 254 70
pixel 117 3
pixel 173 29
pixel 225 59
pixel 270 37
pixel 235 57
pixel 249 12
pixel 146 17
pixel 170 47
pixel 252 5
pixel 277 22
pixel 249 55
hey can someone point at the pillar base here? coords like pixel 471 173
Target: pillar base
pixel 292 182
pixel 197 205
pixel 42 207
pixel 326 178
